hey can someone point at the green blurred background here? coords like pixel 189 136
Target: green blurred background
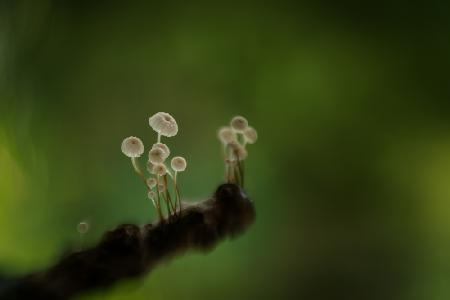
pixel 350 176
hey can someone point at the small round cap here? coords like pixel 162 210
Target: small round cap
pixel 226 135
pixel 163 147
pixel 132 146
pixel 83 227
pixel 164 124
pixel 159 169
pixel 250 134
pixel 151 195
pixel 239 123
pixel 151 182
pixel 156 156
pixel 161 187
pixel 178 164
pixel 238 151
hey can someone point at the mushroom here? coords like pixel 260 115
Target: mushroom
pixel 164 124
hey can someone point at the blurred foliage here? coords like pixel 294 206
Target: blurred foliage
pixel 351 175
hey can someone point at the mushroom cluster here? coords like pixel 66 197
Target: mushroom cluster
pixel 234 139
pixel 161 182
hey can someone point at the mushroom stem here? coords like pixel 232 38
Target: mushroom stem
pixel 174 178
pixel 159 136
pixel 161 217
pixel 169 199
pixel 177 192
pixel 138 170
pixel 169 212
pixel 240 169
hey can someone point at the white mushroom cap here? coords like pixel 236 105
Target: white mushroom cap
pixel 226 135
pixel 178 164
pixel 239 123
pixel 132 147
pixel 151 195
pixel 160 170
pixel 238 151
pixel 83 227
pixel 163 147
pixel 161 187
pixel 250 134
pixel 151 182
pixel 164 124
pixel 156 156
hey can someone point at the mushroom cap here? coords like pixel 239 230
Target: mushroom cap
pixel 132 146
pixel 151 195
pixel 250 134
pixel 159 169
pixel 83 227
pixel 178 164
pixel 239 123
pixel 156 156
pixel 163 147
pixel 226 135
pixel 164 124
pixel 151 182
pixel 237 151
pixel 161 187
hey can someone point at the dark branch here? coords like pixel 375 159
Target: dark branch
pixel 130 251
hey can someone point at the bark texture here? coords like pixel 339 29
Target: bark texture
pixel 130 251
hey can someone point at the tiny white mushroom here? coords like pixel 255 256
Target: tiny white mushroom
pixel 250 135
pixel 159 169
pixel 156 156
pixel 83 227
pixel 178 164
pixel 239 123
pixel 151 182
pixel 238 151
pixel 151 195
pixel 164 124
pixel 132 147
pixel 163 147
pixel 226 135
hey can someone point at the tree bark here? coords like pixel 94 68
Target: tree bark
pixel 130 251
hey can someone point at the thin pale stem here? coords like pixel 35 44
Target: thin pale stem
pixel 236 175
pixel 169 212
pixel 159 199
pixel 154 203
pixel 239 171
pixel 138 170
pixel 177 192
pixel 168 194
pixel 174 179
pixel 164 196
pixel 229 161
pixel 242 169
